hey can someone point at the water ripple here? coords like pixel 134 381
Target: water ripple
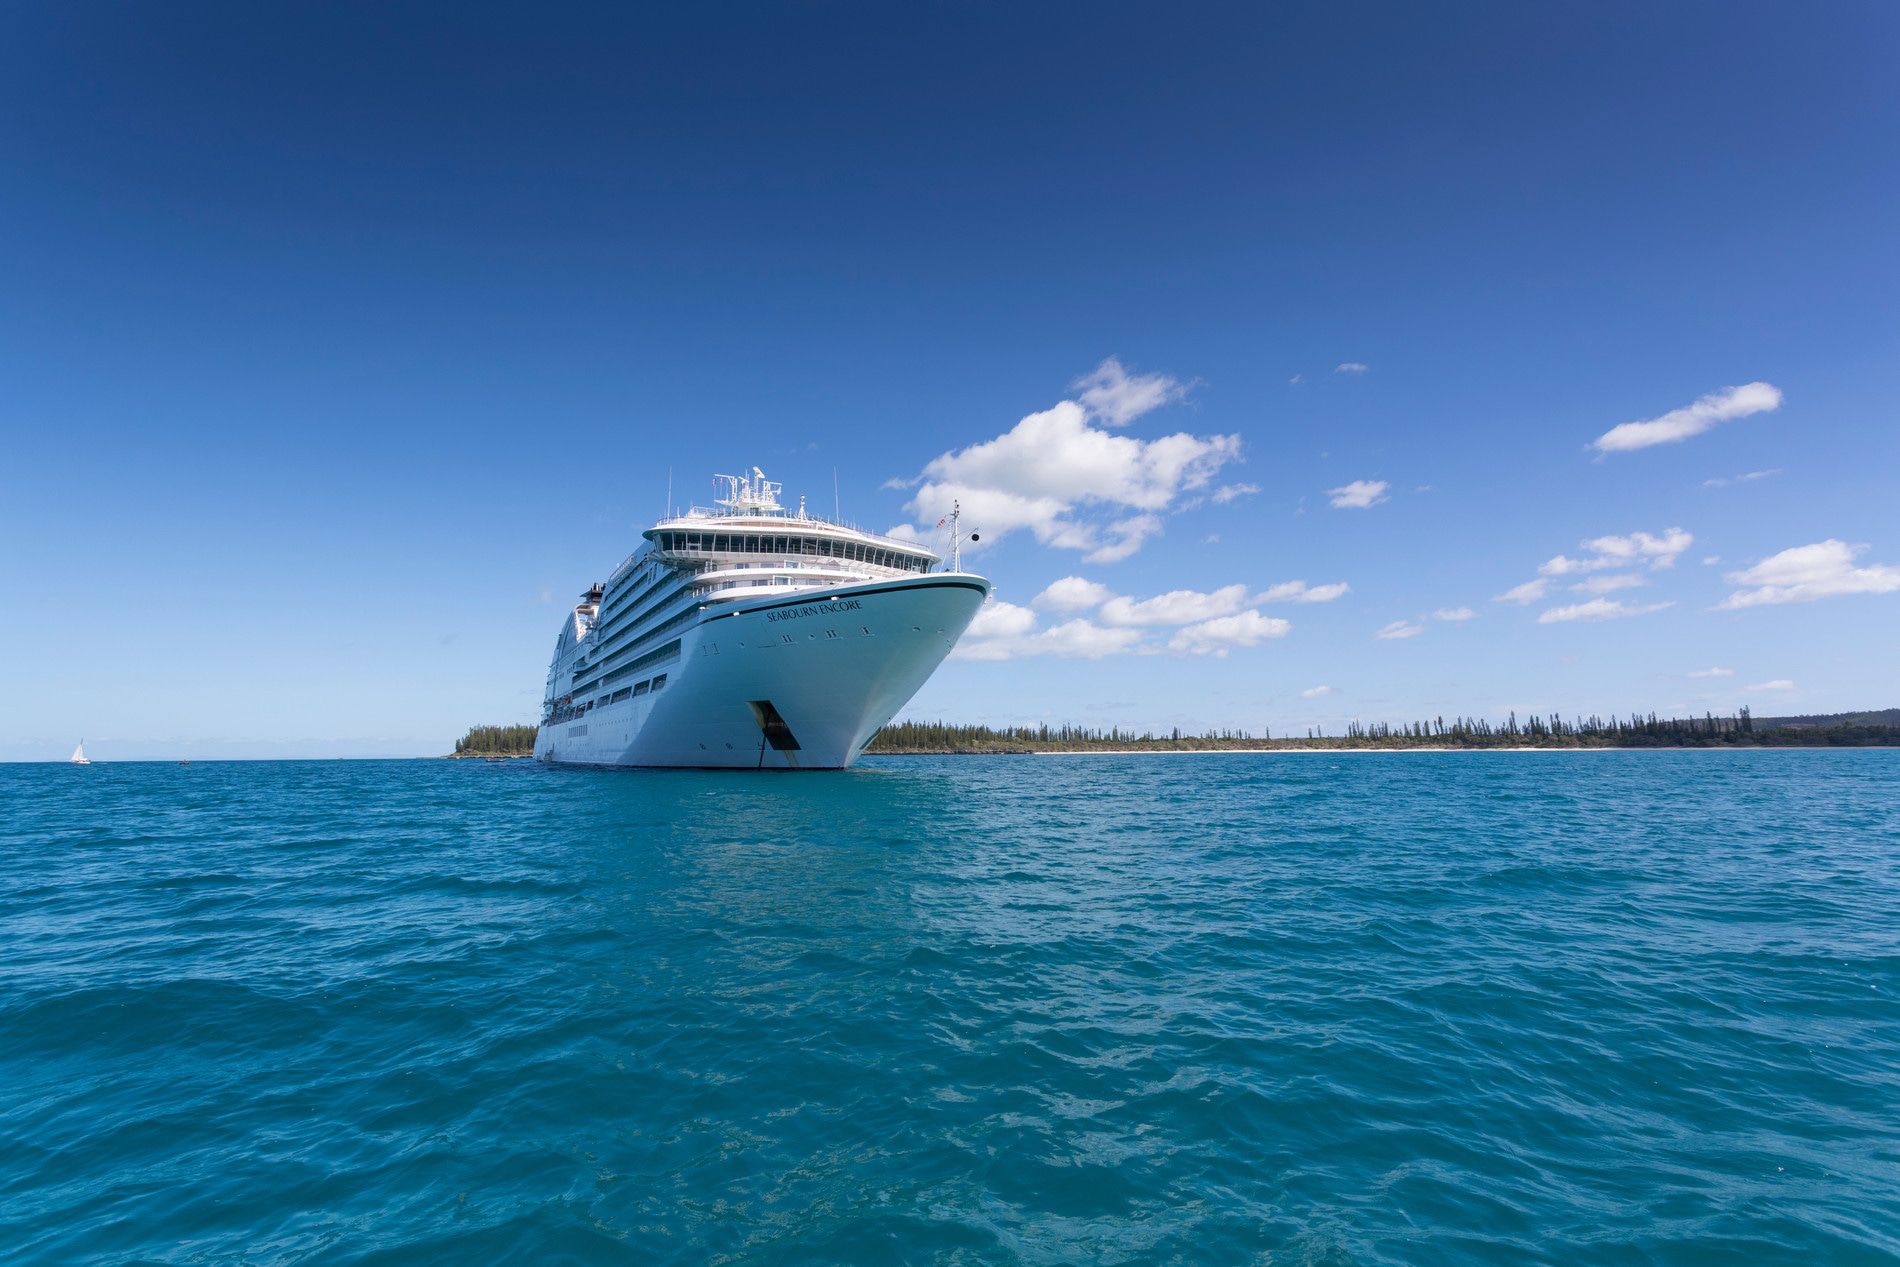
pixel 1514 1008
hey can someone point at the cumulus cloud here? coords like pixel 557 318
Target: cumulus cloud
pixel 1779 684
pixel 1072 593
pixel 1625 551
pixel 1528 592
pixel 1219 636
pixel 1609 583
pixel 1078 639
pixel 1358 495
pixel 1301 592
pixel 1400 629
pixel 1116 397
pixel 1177 607
pixel 1351 367
pixel 1712 671
pixel 1129 534
pixel 1208 623
pixel 997 619
pixel 1691 420
pixel 1230 492
pixel 1805 573
pixel 1598 609
pixel 1453 613
pixel 1316 692
pixel 1052 469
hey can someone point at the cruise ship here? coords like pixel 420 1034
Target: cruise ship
pixel 748 636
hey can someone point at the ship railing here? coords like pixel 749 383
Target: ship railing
pixel 699 515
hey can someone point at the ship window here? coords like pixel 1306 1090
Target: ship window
pixel 785 637
pixel 865 630
pixel 642 688
pixel 831 633
pixel 659 681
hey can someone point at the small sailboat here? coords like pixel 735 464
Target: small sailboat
pixel 79 754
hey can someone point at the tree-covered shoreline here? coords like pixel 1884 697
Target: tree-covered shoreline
pixel 497 741
pixel 1739 730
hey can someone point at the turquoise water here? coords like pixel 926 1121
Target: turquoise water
pixel 1410 1008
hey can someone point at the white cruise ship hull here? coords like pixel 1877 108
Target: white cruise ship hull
pixel 795 683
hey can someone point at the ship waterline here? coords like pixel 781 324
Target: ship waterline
pixel 747 637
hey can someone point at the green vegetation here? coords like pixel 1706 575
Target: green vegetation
pixel 497 741
pixel 1889 717
pixel 1708 731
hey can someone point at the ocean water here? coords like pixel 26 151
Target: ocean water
pixel 1567 1008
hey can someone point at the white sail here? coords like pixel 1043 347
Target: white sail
pixel 79 754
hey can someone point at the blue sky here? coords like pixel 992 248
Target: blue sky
pixel 340 346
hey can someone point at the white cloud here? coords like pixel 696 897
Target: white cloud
pixel 1219 636
pixel 1528 592
pixel 1400 629
pixel 1129 534
pixel 1804 573
pixel 1617 552
pixel 1116 397
pixel 1177 607
pixel 1351 367
pixel 1609 583
pixel 1598 609
pixel 1301 592
pixel 1073 640
pixel 1779 684
pixel 1710 560
pixel 1453 613
pixel 1052 467
pixel 1229 492
pixel 997 619
pixel 1072 594
pixel 1316 692
pixel 1721 481
pixel 1713 671
pixel 1359 494
pixel 1296 380
pixel 1690 420
pixel 1214 623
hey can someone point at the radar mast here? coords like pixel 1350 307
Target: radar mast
pixel 749 494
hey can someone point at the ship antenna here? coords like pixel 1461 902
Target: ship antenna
pixel 669 494
pixel 837 515
pixel 956 536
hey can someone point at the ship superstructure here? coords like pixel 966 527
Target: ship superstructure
pixel 745 635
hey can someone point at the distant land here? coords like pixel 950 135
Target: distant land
pixel 496 741
pixel 1878 728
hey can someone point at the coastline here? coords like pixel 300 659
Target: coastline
pixel 1320 752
